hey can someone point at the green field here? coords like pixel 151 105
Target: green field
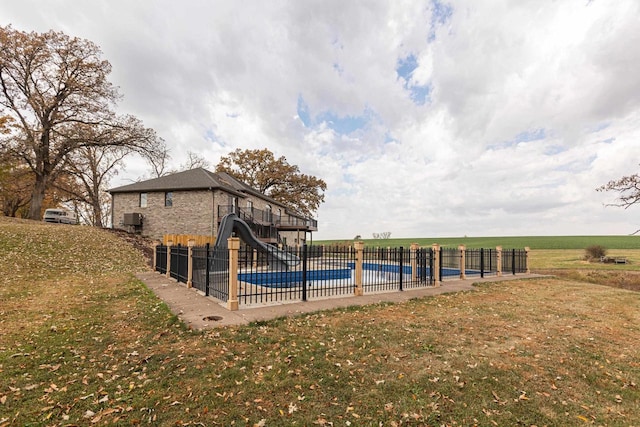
pixel 533 242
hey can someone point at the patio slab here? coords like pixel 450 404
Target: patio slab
pixel 201 312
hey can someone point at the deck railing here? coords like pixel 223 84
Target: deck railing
pixel 268 217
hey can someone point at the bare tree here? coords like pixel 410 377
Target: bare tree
pixel 55 89
pixel 159 163
pixel 383 235
pixel 628 189
pixel 91 169
pixel 194 161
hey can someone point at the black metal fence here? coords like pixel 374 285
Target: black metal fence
pixel 179 263
pixel 314 272
pixel 211 271
pixel 449 263
pixel 295 274
pixel 514 261
pixel 396 269
pixel 481 262
pixel 161 259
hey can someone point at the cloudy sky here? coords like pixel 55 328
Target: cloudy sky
pixel 426 118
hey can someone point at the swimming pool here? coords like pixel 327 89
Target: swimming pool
pixel 339 276
pixel 292 278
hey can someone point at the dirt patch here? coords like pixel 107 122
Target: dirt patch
pixel 141 243
pixel 617 279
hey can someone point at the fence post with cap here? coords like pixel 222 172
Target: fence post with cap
pixel 234 247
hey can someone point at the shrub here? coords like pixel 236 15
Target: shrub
pixel 595 252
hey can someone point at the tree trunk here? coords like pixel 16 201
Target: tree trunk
pixel 10 208
pixel 97 213
pixel 37 197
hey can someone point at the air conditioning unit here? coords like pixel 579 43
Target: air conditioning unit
pixel 132 219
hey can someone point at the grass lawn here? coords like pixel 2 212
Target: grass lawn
pixel 84 343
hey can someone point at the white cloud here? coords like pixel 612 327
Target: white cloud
pixel 531 105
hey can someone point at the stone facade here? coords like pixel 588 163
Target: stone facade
pixel 191 212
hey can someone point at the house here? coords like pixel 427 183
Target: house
pixel 194 202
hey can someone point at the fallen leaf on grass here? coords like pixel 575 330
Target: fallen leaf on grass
pixel 497 399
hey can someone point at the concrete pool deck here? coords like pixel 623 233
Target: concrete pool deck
pixel 198 311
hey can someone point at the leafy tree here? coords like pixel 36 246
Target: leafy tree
pixel 276 178
pixel 15 183
pixel 5 121
pixel 55 90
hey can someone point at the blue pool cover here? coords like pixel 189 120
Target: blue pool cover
pixel 288 277
pixel 276 279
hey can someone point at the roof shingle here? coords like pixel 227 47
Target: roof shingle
pixel 194 179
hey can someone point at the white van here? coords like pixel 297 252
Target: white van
pixel 61 216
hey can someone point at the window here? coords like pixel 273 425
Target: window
pixel 143 200
pixel 168 199
pixel 250 208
